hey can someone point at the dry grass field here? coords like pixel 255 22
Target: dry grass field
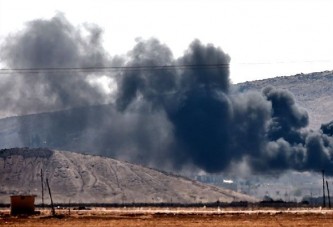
pixel 173 217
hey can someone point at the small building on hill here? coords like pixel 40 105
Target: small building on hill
pixel 22 204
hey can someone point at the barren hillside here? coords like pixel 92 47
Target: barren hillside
pixel 94 179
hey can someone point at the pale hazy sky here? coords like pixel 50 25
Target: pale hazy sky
pixel 265 38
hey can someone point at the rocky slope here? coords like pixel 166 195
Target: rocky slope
pixel 82 178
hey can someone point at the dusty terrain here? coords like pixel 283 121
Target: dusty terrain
pixel 82 178
pixel 174 217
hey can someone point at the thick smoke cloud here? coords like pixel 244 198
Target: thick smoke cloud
pixel 327 129
pixel 214 126
pixel 51 43
pixel 177 117
pixel 287 118
pixel 153 85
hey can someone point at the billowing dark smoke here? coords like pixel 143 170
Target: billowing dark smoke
pixel 182 116
pixel 153 86
pixel 327 129
pixel 213 126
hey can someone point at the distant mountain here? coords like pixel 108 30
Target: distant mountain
pixel 312 91
pixel 92 179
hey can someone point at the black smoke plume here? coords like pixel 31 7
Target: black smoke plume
pixel 327 129
pixel 176 117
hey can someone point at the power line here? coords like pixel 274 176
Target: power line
pixel 135 68
pixel 109 68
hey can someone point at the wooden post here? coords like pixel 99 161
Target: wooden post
pixel 328 195
pixel 42 181
pixel 324 201
pixel 48 186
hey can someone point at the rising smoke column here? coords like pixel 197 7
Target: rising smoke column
pixel 203 116
pixel 211 125
pixel 162 116
pixel 214 126
pixel 192 99
pixel 153 86
pixel 53 43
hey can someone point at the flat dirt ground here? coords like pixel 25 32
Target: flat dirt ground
pixel 172 217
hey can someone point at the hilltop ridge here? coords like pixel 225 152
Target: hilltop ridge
pixel 94 179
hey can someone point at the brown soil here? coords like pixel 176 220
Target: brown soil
pixel 193 218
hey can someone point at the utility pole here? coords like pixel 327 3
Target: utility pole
pixel 328 195
pixel 52 206
pixel 324 201
pixel 42 181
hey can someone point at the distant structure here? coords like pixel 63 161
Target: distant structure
pixel 22 204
